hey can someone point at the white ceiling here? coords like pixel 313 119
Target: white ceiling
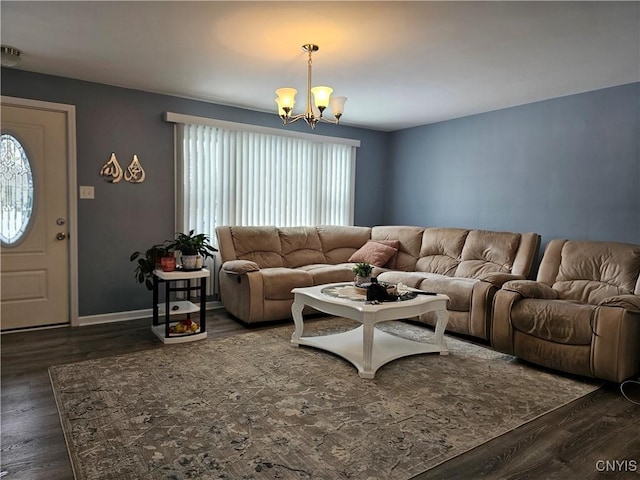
pixel 400 64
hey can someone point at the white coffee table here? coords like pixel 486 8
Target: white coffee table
pixel 367 347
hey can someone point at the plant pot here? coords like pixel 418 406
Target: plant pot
pixel 190 262
pixel 168 264
pixel 359 280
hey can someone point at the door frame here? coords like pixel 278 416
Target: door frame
pixel 72 201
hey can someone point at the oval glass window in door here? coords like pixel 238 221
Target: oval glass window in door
pixel 16 190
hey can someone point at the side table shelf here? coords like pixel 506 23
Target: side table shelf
pixel 175 308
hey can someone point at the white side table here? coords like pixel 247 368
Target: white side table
pixel 175 308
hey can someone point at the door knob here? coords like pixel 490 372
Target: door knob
pixel 61 236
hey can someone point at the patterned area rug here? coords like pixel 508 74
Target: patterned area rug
pixel 252 406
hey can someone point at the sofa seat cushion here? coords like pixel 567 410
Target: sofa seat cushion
pixel 459 290
pixel 323 273
pixel 410 279
pixel 558 321
pixel 279 281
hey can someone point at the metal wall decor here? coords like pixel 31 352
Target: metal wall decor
pixel 135 172
pixel 112 171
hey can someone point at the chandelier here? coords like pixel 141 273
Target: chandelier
pixel 321 95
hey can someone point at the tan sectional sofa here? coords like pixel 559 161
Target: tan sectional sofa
pixel 261 265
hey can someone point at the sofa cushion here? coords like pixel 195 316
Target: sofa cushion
pixel 486 251
pixel 278 282
pixel 300 246
pixel 592 271
pixel 322 273
pixel 258 244
pixel 339 242
pixel 375 253
pixel 554 320
pixel 410 279
pixel 391 263
pixel 459 290
pixel 409 241
pixel 441 250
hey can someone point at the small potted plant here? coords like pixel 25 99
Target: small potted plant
pixel 193 249
pixel 362 271
pixel 146 263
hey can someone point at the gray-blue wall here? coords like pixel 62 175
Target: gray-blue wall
pixel 565 168
pixel 126 217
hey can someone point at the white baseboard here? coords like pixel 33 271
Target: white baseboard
pixel 130 315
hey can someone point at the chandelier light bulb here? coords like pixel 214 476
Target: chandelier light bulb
pixel 337 106
pixel 321 96
pixel 287 96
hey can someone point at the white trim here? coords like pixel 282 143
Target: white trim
pixel 212 122
pixel 32 329
pixel 178 167
pixel 72 178
pixel 130 315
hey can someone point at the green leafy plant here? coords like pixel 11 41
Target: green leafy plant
pixel 362 269
pixel 187 243
pixel 146 262
pixel 192 244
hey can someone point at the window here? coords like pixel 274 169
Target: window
pixel 16 190
pixel 236 174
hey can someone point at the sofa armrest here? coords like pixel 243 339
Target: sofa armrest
pixel 628 302
pixel 239 267
pixel 531 289
pixel 497 279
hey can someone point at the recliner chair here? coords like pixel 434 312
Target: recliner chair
pixel 581 316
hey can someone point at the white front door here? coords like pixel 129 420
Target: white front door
pixel 34 268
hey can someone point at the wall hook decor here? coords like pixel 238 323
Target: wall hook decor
pixel 135 172
pixel 112 171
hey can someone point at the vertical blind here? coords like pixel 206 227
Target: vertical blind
pixel 250 178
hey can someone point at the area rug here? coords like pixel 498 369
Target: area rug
pixel 252 406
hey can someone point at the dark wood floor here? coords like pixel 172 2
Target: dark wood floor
pixel 567 443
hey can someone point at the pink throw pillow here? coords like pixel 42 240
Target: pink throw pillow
pixel 375 253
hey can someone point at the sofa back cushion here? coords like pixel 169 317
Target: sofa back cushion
pixel 486 251
pixel 257 244
pixel 300 246
pixel 589 271
pixel 441 250
pixel 409 241
pixel 340 242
